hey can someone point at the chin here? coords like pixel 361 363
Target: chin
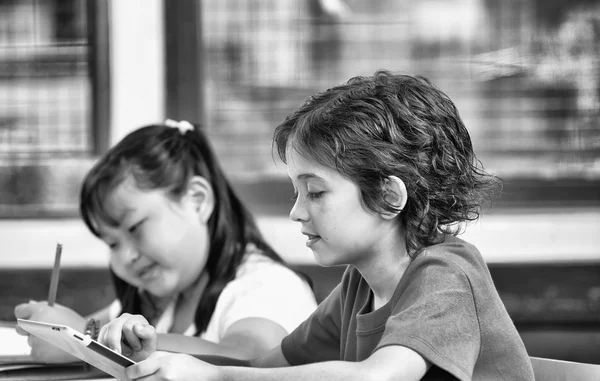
pixel 326 259
pixel 161 290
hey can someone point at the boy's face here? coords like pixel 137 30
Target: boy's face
pixel 161 246
pixel 339 227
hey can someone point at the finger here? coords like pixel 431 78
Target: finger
pixel 24 310
pixel 130 337
pixel 101 335
pixel 128 333
pixel 144 331
pixel 112 336
pixel 126 350
pixel 147 333
pixel 144 368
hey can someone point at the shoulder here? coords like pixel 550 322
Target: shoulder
pixel 255 263
pixel 449 273
pixel 452 266
pixel 452 254
pixel 264 288
pixel 259 271
pixel 452 245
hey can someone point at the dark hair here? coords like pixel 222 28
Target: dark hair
pixel 160 157
pixel 371 128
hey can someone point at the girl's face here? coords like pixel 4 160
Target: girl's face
pixel 161 245
pixel 339 227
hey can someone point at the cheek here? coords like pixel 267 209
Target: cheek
pixel 161 241
pixel 119 268
pixel 330 223
pixel 187 248
pixel 197 246
pixel 344 223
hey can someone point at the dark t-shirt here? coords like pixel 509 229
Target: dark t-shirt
pixel 445 308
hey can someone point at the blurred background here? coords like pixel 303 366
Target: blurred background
pixel 77 75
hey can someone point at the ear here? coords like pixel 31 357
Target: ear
pixel 200 194
pixel 395 193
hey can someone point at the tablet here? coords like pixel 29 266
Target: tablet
pixel 79 345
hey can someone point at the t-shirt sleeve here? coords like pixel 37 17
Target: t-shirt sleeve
pixel 436 316
pixel 318 337
pixel 269 291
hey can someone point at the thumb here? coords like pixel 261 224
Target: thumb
pixel 24 310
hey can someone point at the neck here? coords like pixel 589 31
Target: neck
pixel 385 267
pixel 384 280
pixel 187 303
pixel 196 289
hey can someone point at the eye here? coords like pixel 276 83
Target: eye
pixel 294 197
pixel 135 227
pixel 112 246
pixel 315 195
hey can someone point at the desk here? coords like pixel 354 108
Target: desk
pixel 12 344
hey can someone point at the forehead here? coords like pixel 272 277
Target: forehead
pixel 298 165
pixel 301 169
pixel 125 198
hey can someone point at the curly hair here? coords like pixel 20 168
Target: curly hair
pixel 385 125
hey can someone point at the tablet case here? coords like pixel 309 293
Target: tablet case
pixel 80 346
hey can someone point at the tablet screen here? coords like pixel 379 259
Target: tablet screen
pixel 110 354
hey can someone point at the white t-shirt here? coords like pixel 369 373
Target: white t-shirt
pixel 262 288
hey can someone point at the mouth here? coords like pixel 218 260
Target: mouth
pixel 311 239
pixel 147 272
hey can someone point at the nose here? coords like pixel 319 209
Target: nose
pixel 299 212
pixel 128 253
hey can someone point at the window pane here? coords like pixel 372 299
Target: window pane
pixel 524 74
pixel 45 101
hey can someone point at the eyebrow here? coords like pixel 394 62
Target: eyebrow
pixel 306 176
pixel 121 217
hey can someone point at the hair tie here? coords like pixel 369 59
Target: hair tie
pixel 183 125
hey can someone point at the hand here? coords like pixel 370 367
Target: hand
pixel 172 366
pixel 130 335
pixel 40 311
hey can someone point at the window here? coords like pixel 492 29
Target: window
pixel 524 74
pixel 50 67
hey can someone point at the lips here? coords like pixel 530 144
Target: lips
pixel 312 239
pixel 146 271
